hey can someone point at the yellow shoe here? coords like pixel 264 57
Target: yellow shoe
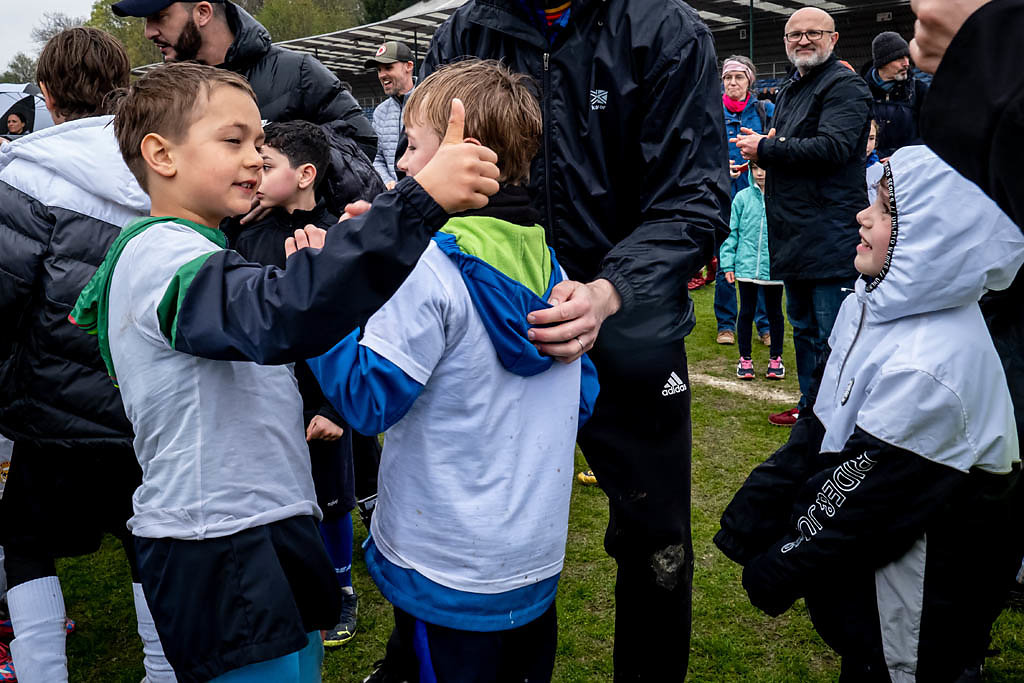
pixel 587 478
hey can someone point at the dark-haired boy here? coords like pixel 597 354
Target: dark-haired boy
pixel 225 518
pixel 64 194
pixel 295 156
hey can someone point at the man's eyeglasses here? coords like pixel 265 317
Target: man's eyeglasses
pixel 795 36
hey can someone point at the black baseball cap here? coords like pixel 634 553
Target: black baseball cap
pixel 389 53
pixel 143 8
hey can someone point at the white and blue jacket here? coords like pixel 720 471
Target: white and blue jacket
pixel 480 429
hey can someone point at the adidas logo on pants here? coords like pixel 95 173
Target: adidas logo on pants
pixel 674 385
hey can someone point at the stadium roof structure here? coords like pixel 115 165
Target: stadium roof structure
pixel 346 50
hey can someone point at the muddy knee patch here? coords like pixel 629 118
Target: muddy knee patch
pixel 667 564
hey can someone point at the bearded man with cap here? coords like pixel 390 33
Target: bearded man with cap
pixel 897 96
pixel 289 85
pixel 394 65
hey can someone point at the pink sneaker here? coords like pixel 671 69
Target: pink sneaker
pixel 745 369
pixel 776 370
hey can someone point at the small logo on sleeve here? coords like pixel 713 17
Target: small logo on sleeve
pixel 674 385
pixel 598 99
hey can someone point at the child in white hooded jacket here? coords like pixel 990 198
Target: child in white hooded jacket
pixel 887 508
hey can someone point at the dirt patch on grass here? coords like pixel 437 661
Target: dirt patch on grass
pixel 752 390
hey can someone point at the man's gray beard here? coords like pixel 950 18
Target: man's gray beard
pixel 901 76
pixel 808 63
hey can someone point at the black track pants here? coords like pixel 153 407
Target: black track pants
pixel 638 444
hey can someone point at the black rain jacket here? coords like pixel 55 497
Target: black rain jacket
pixel 815 173
pixel 631 177
pixel 890 498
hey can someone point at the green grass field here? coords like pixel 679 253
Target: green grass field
pixel 731 640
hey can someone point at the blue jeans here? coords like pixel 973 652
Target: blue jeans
pixel 725 306
pixel 812 307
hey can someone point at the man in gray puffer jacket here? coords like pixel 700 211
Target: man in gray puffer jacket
pixel 394 65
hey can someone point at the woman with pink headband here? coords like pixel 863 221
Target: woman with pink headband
pixel 742 109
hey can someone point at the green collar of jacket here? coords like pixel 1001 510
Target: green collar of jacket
pixel 92 308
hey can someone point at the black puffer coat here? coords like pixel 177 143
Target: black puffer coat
pixel 631 177
pixel 293 86
pixel 350 175
pixel 65 192
pixel 815 183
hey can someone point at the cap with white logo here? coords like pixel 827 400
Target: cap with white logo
pixel 389 53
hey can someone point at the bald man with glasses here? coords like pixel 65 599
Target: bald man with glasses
pixel 815 186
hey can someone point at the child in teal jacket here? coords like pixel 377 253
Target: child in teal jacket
pixel 743 258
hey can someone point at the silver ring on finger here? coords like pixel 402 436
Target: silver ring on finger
pixel 583 348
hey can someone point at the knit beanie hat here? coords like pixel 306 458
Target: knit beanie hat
pixel 888 46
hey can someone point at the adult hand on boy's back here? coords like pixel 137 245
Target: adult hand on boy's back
pixel 309 236
pixel 323 429
pixel 581 309
pixel 461 175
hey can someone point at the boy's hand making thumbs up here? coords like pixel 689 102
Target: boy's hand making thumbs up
pixel 462 175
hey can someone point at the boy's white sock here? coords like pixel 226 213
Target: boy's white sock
pixel 158 669
pixel 37 613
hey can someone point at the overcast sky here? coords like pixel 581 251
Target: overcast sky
pixel 16 26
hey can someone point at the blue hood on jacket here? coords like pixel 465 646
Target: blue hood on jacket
pixel 503 304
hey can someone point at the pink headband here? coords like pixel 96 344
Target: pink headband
pixel 735 65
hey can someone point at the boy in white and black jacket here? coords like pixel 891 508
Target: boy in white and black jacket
pixel 885 509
